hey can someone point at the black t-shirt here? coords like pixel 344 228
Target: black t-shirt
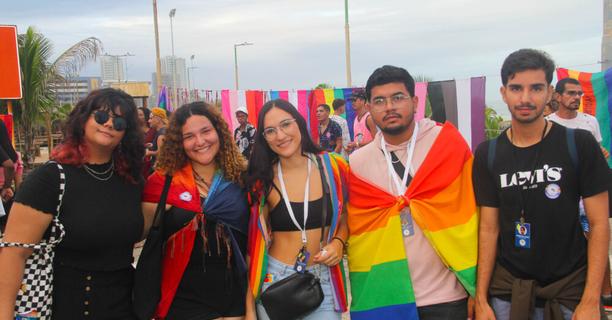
pixel 558 246
pixel 103 219
pixel 6 148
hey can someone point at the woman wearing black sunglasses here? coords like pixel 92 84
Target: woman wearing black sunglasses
pixel 101 155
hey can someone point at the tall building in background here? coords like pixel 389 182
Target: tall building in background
pixel 112 69
pixel 71 90
pixel 168 64
pixel 606 41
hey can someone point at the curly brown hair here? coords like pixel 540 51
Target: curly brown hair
pixel 172 156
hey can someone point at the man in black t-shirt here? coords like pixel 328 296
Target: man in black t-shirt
pixel 528 184
pixel 8 157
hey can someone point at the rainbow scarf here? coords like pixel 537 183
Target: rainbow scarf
pixel 442 203
pixel 597 99
pixel 335 169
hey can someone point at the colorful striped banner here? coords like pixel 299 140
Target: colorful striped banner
pixel 420 90
pixel 460 102
pixel 597 99
pixel 351 114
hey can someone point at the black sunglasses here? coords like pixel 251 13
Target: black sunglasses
pixel 102 117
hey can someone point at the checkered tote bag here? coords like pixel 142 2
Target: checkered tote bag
pixel 35 294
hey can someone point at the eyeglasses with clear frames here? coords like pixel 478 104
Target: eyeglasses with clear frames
pixel 270 133
pixel 379 103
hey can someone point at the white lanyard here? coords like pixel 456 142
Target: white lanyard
pixel 288 204
pixel 401 185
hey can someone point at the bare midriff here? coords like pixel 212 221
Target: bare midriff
pixel 286 245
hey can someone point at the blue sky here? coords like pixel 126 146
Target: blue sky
pixel 300 43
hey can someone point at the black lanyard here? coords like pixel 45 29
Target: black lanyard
pixel 532 175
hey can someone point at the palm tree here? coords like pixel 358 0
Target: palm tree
pixel 493 123
pixel 38 102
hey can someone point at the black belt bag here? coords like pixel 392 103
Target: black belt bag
pixel 300 293
pixel 293 297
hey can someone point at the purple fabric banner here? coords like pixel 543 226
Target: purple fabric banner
pixel 478 111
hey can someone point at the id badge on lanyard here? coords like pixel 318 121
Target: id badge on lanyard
pixel 400 186
pixel 522 233
pixel 301 260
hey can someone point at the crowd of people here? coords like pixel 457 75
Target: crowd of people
pixel 258 222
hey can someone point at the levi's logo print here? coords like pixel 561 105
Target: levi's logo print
pixel 530 180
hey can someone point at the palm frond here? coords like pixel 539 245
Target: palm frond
pixel 71 61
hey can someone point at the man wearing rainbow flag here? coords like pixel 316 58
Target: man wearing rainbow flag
pixel 534 261
pixel 411 213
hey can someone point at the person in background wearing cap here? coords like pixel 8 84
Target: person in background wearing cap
pixel 364 128
pixel 159 121
pixel 244 135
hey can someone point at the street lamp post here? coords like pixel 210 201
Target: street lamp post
pixel 117 57
pixel 236 59
pixel 174 91
pixel 347 40
pixel 157 60
pixel 189 76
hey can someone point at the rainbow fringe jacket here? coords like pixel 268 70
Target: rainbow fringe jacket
pixel 335 169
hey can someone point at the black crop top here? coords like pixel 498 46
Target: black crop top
pixel 281 221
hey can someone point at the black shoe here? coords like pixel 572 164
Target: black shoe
pixel 607 303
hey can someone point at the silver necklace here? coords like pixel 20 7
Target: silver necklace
pixel 101 175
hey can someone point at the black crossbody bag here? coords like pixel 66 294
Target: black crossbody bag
pixel 300 293
pixel 147 277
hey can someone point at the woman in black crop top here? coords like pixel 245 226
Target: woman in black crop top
pixel 204 270
pixel 285 167
pixel 101 156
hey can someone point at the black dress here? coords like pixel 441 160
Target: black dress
pixel 93 271
pixel 211 286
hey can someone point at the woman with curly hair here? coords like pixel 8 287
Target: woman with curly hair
pixel 206 216
pixel 101 155
pixel 299 195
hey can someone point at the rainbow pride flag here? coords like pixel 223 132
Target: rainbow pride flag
pixel 163 100
pixel 442 203
pixel 597 99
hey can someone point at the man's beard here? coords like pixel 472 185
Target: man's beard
pixel 529 120
pixel 574 106
pixel 396 131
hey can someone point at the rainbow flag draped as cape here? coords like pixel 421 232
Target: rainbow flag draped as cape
pixel 597 99
pixel 335 168
pixel 442 203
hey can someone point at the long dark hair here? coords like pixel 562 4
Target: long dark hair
pixel 130 151
pixel 147 115
pixel 260 171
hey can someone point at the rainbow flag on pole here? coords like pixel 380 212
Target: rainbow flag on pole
pixel 163 100
pixel 597 99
